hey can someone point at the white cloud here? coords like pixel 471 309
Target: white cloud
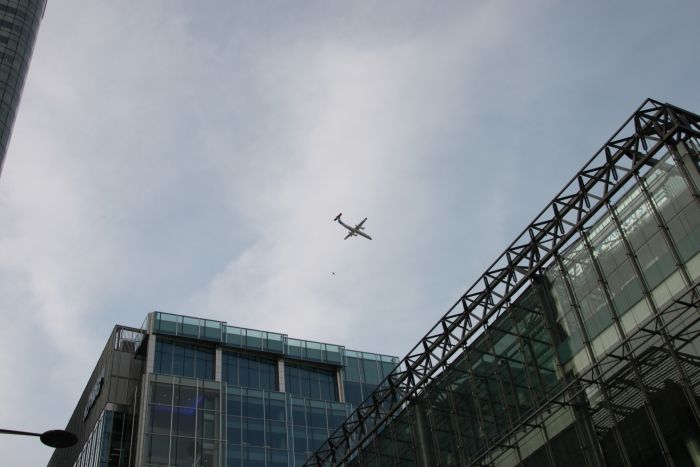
pixel 358 118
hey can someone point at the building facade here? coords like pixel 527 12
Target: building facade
pixel 184 391
pixel 19 25
pixel 580 346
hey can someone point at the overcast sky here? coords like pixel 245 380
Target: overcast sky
pixel 190 157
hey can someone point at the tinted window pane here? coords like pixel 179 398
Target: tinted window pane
pixel 164 357
pixel 158 447
pixel 211 398
pixel 188 356
pixel 249 371
pixel 253 405
pixel 317 436
pixel 182 451
pixel 278 459
pixel 352 369
pixel 276 435
pixel 299 437
pixel 233 430
pixel 162 393
pixel 186 396
pixel 353 393
pixel 233 456
pixel 184 420
pixel 274 409
pixel 208 452
pixel 233 404
pixel 254 432
pixel 298 412
pixel 317 414
pixel 182 359
pixel 204 364
pixel 309 381
pixel 336 416
pixel 207 424
pixel 160 419
pixel 370 372
pixel 255 457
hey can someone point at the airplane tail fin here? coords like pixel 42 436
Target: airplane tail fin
pixel 338 217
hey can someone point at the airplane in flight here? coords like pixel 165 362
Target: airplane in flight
pixel 354 231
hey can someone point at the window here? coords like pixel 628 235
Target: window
pixel 183 421
pixel 309 381
pixel 181 359
pixel 249 371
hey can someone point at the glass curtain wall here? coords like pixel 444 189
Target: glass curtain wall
pixel 184 419
pixel 268 428
pixel 506 374
pixel 550 350
pixel 362 372
pixel 245 419
pixel 107 445
pixel 624 257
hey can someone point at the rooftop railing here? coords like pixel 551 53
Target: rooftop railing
pixel 254 339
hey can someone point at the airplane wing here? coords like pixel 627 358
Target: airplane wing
pixel 359 226
pixel 349 235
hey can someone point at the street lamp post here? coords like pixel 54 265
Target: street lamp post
pixel 52 438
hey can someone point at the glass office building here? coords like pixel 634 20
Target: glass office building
pixel 580 346
pixel 19 25
pixel 184 391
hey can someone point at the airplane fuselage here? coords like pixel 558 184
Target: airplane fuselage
pixel 353 230
pixel 357 230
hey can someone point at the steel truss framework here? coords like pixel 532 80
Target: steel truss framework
pixel 652 127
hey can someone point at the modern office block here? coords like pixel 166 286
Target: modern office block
pixel 183 391
pixel 580 346
pixel 19 25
